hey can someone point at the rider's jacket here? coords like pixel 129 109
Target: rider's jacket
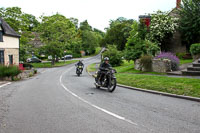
pixel 80 64
pixel 104 66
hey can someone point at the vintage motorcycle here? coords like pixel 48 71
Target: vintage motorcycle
pixel 107 80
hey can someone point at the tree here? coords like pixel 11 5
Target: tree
pixel 190 21
pixel 56 33
pixel 90 38
pixel 118 32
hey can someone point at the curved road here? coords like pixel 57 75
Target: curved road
pixel 57 101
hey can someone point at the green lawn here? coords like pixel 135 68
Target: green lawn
pixel 127 75
pixel 48 64
pixel 185 61
pixel 180 86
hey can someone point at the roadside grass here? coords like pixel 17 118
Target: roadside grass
pixel 91 67
pixel 127 75
pixel 179 86
pixel 185 61
pixel 48 64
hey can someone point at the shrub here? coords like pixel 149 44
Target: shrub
pixel 152 48
pixel 195 49
pixel 114 55
pixel 146 62
pixel 7 71
pixel 174 60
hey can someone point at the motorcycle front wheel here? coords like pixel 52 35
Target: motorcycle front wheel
pixel 112 86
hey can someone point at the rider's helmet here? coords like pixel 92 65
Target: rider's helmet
pixel 106 59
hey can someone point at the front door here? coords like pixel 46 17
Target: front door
pixel 1 57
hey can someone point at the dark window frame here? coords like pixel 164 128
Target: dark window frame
pixel 10 59
pixel 1 36
pixel 2 60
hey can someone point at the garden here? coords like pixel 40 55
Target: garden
pixel 141 54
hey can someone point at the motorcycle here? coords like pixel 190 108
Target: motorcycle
pixel 79 70
pixel 108 80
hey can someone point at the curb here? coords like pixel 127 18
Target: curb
pixel 155 92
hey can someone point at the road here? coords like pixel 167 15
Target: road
pixel 57 101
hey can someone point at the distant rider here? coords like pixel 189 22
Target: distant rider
pixel 103 69
pixel 80 63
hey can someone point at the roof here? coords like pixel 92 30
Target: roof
pixel 7 30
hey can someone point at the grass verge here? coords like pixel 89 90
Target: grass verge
pixel 186 61
pixel 128 76
pixel 57 64
pixel 179 86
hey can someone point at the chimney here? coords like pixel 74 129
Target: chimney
pixel 178 3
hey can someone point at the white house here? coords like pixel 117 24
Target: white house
pixel 9 45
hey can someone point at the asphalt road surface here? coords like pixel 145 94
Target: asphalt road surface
pixel 57 101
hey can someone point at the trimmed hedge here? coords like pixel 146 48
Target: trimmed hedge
pixel 195 49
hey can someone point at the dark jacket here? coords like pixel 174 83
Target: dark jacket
pixel 80 63
pixel 104 66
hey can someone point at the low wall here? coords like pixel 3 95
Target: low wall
pixel 161 66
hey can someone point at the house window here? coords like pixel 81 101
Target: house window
pixel 1 57
pixel 1 36
pixel 10 59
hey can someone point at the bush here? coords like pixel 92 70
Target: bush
pixel 195 49
pixel 114 55
pixel 152 48
pixel 146 62
pixel 174 60
pixel 7 71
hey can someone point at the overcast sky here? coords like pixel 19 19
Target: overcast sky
pixel 97 12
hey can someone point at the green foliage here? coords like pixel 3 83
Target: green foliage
pixel 190 21
pixel 146 62
pixel 152 48
pixel 91 38
pixel 162 27
pixel 114 55
pixel 7 71
pixel 117 33
pixel 56 32
pixel 181 55
pixel 195 49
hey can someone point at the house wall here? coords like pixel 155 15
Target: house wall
pixel 10 46
pixel 9 42
pixel 14 52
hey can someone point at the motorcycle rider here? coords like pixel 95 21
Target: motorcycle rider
pixel 103 69
pixel 80 63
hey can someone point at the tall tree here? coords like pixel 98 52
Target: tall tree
pixel 118 32
pixel 190 21
pixel 56 32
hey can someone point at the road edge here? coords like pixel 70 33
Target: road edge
pixel 154 92
pixel 3 85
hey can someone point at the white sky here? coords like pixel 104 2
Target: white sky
pixel 97 12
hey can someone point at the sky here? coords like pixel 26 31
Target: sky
pixel 97 12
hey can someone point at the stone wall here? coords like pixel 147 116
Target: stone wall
pixel 14 52
pixel 161 66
